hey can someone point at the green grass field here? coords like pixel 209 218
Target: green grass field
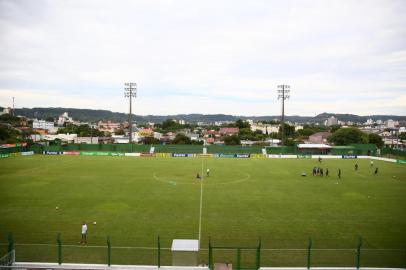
pixel 133 200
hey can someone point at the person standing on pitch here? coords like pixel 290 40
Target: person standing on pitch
pixel 356 166
pixel 376 170
pixel 339 173
pixel 372 163
pixel 327 172
pixel 321 172
pixel 208 172
pixel 84 231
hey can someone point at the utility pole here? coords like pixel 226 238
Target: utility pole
pixel 283 94
pixel 13 106
pixel 130 90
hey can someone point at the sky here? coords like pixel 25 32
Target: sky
pixel 205 56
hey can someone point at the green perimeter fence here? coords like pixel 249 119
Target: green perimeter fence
pixel 354 149
pixel 309 254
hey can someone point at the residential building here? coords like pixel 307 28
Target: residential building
pixel 319 137
pixel 392 124
pixel 86 140
pixel 42 124
pixel 229 131
pixel 369 122
pixel 64 118
pixel 108 126
pixel 331 121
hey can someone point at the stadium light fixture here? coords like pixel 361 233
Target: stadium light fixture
pixel 130 91
pixel 283 94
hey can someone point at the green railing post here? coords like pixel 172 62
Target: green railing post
pixel 59 242
pixel 159 252
pixel 309 252
pixel 258 260
pixel 359 251
pixel 10 242
pixel 210 255
pixel 108 251
pixel 238 258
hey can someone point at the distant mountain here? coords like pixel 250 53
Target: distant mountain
pixel 88 115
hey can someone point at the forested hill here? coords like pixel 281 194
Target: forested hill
pixel 88 115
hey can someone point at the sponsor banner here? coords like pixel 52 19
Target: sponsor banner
pixel 231 155
pixel 205 155
pixel 304 156
pixel 13 145
pixel 399 161
pixel 258 156
pixel 95 153
pixel 15 154
pixel 132 154
pixel 163 155
pixel 52 153
pixel 28 153
pixel 274 156
pixel 117 154
pixel 182 155
pixel 71 153
pixel 147 155
pixel 349 156
pixel 4 155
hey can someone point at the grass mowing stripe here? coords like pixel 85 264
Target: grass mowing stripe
pixel 201 205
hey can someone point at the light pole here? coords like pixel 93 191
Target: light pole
pixel 283 94
pixel 130 91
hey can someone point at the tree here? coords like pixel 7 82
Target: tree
pixel 181 139
pixel 49 119
pixel 150 140
pixel 346 136
pixel 375 139
pixel 232 140
pixel 402 136
pixel 288 130
pixel 334 128
pixel 119 132
pixel 242 124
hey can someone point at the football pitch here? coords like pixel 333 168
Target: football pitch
pixel 133 200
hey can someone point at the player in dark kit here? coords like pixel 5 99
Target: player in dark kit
pixel 376 170
pixel 339 173
pixel 327 172
pixel 356 166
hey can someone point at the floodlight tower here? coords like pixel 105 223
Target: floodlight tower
pixel 283 94
pixel 130 91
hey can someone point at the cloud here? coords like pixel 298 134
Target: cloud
pixel 205 57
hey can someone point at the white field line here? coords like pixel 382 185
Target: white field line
pixel 201 204
pixel 264 249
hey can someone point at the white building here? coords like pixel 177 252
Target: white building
pixel 64 118
pixel 392 124
pixel 265 128
pixel 86 140
pixel 369 122
pixel 42 124
pixel 331 121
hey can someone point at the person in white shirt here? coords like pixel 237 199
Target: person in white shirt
pixel 208 172
pixel 84 231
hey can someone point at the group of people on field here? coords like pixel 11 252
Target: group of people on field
pixel 317 171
